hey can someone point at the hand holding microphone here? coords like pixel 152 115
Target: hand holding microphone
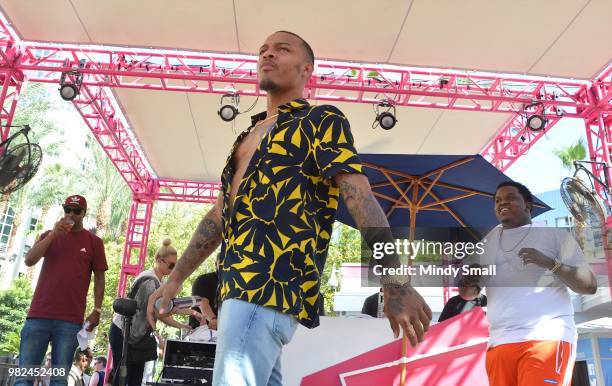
pixel 178 303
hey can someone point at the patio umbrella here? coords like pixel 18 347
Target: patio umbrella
pixel 434 192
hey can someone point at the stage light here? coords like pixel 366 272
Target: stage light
pixel 536 122
pixel 70 88
pixel 534 116
pixel 229 111
pixel 385 119
pixel 68 92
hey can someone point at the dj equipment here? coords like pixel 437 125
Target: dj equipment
pixel 188 363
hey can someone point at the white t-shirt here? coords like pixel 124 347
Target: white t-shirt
pixel 529 302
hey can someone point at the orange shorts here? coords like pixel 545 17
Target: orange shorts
pixel 531 363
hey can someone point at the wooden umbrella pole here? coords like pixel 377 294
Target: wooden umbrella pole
pixel 403 365
pixel 413 213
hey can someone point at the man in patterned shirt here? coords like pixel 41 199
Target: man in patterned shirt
pixel 274 218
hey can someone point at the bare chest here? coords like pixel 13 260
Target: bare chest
pixel 241 159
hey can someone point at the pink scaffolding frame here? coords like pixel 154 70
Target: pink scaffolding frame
pixel 148 69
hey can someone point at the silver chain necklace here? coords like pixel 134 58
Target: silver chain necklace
pixel 267 129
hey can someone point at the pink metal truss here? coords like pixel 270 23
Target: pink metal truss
pixel 11 80
pixel 332 81
pixel 598 125
pixel 598 132
pixel 9 95
pixel 95 105
pixel 166 189
pixel 513 141
pixel 137 237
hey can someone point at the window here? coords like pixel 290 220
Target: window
pixel 6 226
pixel 564 222
pixel 33 222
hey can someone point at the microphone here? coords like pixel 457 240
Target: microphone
pixel 179 303
pixel 125 306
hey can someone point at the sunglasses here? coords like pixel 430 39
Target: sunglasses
pixel 76 211
pixel 170 265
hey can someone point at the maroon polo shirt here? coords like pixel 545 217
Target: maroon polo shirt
pixel 61 291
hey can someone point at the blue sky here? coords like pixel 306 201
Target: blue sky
pixel 539 169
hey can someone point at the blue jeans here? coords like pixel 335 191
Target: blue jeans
pixel 249 344
pixel 35 337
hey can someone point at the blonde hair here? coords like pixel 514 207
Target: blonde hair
pixel 165 250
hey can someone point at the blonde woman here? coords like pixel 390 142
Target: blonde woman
pixel 144 285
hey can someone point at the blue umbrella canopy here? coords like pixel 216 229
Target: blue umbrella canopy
pixel 434 193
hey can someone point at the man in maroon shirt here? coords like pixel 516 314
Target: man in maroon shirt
pixel 71 253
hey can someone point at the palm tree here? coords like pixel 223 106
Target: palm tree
pixel 110 194
pixel 571 153
pixel 55 182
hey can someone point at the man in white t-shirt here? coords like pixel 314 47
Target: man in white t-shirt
pixel 532 330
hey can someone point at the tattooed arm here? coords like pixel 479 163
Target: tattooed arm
pixel 203 242
pixel 404 306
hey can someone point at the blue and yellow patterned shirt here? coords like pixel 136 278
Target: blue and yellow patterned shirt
pixel 276 237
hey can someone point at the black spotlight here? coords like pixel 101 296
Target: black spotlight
pixel 536 122
pixel 229 111
pixel 385 119
pixel 70 88
pixel 534 116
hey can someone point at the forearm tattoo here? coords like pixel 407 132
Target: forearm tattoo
pixel 363 207
pixel 369 217
pixel 203 242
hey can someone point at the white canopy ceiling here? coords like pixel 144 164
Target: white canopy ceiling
pixel 566 38
pixel 181 133
pixel 183 136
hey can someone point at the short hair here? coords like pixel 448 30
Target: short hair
pixel 307 49
pixel 523 190
pixel 101 359
pixel 470 281
pixel 79 354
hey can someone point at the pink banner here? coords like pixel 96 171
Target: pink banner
pixel 453 353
